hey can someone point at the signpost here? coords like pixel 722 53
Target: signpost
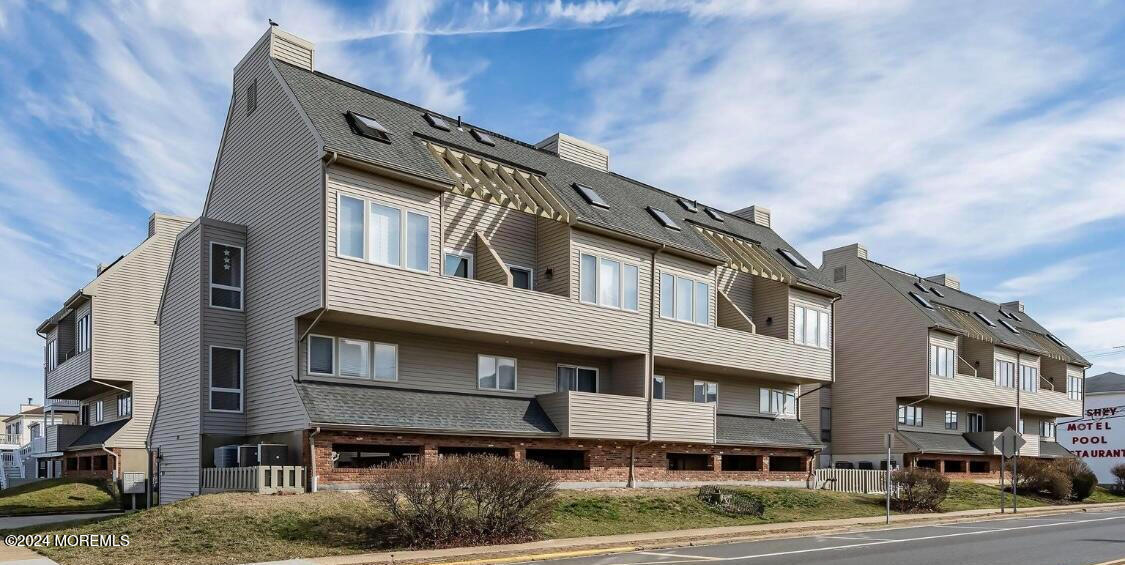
pixel 1009 442
pixel 889 439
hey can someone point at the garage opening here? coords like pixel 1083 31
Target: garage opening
pixel 565 459
pixel 787 464
pixel 742 463
pixel 688 462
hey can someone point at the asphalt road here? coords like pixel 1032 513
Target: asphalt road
pixel 1073 538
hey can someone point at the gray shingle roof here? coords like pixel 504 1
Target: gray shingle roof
pixel 326 100
pixel 969 303
pixel 780 432
pixel 97 435
pixel 403 409
pixel 1052 450
pixel 1105 382
pixel 930 442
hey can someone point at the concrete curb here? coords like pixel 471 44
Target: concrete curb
pixel 596 545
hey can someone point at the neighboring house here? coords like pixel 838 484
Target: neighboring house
pixel 372 281
pixel 101 362
pixel 1098 437
pixel 24 438
pixel 942 368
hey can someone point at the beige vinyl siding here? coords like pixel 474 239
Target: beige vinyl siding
pixel 488 265
pixel 70 374
pixel 976 351
pixel 433 303
pixel 716 347
pixel 601 416
pixel 176 427
pixel 881 354
pixel 269 179
pixel 221 328
pixel 109 411
pixel 628 376
pixel 772 312
pixel 808 406
pixel 674 420
pixel 933 418
pixel 737 395
pixel 739 286
pixel 511 233
pixel 445 364
pixel 584 242
pixel 552 254
pixel 124 340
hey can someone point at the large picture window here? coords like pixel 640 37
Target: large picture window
pixel 382 234
pixel 811 326
pixel 942 361
pixel 226 379
pixel 778 402
pixel 910 415
pixel 607 282
pixel 684 299
pixel 226 276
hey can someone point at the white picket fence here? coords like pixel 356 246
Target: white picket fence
pixel 264 479
pixel 860 481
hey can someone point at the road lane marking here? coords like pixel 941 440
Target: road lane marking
pixel 965 527
pixel 853 538
pixel 696 557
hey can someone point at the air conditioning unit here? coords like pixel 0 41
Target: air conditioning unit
pixel 226 456
pixel 252 455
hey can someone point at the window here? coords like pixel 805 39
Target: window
pixel 35 432
pixel 580 379
pixel 608 282
pixel 252 97
pixel 458 264
pixel 84 415
pixel 369 127
pixel 826 424
pixel 688 205
pixel 226 276
pixel 52 354
pixel 496 373
pixel 810 327
pixel 99 411
pixel 382 234
pixel 1021 426
pixel 346 357
pixel 984 319
pixel 1074 387
pixel 910 415
pixel 82 334
pixel 1029 378
pixel 714 214
pixel 919 286
pixel 483 137
pixel 918 298
pixel 658 387
pixel 522 277
pixel 942 361
pixel 437 122
pixel 590 195
pixel 976 422
pixel 226 379
pixel 664 219
pixel 688 461
pixel 937 292
pixel 367 456
pixel 951 419
pixel 792 258
pixel 706 392
pixel 124 405
pixel 1047 429
pixel 777 402
pixel 685 299
pixel 1010 327
pixel 1005 374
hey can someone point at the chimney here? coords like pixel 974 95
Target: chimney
pixel 577 151
pixel 1016 305
pixel 291 49
pixel 158 222
pixel 853 250
pixel 758 214
pixel 946 279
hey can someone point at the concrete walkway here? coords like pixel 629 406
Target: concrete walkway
pixel 13 522
pixel 600 545
pixel 22 556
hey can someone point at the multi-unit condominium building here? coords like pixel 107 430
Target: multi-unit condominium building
pixel 371 281
pixel 943 369
pixel 100 363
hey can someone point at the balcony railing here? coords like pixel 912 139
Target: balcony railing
pixel 697 345
pixel 677 420
pixel 10 440
pixel 987 442
pixel 967 388
pixel 595 415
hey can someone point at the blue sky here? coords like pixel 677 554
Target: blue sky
pixel 985 140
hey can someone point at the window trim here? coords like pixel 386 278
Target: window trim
pixel 1075 392
pixel 769 392
pixel 697 382
pixel 469 255
pixel 598 279
pixel 124 405
pixel 663 387
pixel 936 353
pixel 211 277
pixel 917 412
pixel 336 373
pixel 1047 429
pixel 531 278
pixel 675 284
pixel 996 374
pixel 308 356
pixel 99 411
pixel 52 354
pixel 369 364
pixel 1032 375
pixel 597 376
pixel 821 315
pixel 404 235
pixel 374 346
pixel 211 379
pixel 515 373
pixel 954 421
pixel 82 335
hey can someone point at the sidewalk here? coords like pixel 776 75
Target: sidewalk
pixel 13 522
pixel 22 556
pixel 595 545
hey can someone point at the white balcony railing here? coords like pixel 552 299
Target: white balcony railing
pixel 10 440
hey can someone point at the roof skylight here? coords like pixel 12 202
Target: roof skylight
pixel 1056 340
pixel 918 298
pixel 920 287
pixel 792 258
pixel 663 218
pixel 714 215
pixel 688 205
pixel 984 319
pixel 1015 316
pixel 590 195
pixel 934 290
pixel 1009 326
pixel 369 127
pixel 437 122
pixel 483 137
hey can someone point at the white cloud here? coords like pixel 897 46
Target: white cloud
pixel 1043 280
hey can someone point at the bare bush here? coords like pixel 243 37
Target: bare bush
pixel 1118 472
pixel 917 489
pixel 463 500
pixel 1061 479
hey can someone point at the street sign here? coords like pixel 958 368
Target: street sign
pixel 1009 442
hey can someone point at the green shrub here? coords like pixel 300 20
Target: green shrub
pixel 731 501
pixel 917 489
pixel 467 500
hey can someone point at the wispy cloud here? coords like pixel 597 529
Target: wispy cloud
pixel 1045 279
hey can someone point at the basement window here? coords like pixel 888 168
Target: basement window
pixel 369 127
pixel 688 205
pixel 483 137
pixel 591 195
pixel 664 219
pixel 918 298
pixel 1010 327
pixel 984 319
pixel 437 122
pixel 792 258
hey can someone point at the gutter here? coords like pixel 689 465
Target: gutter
pixel 302 337
pixel 116 460
pixel 313 478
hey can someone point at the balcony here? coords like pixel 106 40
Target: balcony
pixel 987 442
pixel 595 415
pixel 976 390
pixel 729 350
pixel 9 441
pixel 69 375
pixel 59 436
pixel 676 420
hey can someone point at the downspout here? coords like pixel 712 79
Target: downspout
pixel 304 335
pixel 312 460
pixel 116 461
pixel 651 370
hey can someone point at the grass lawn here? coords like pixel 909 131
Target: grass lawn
pixel 55 495
pixel 239 528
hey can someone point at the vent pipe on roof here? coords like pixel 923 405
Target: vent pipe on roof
pixel 1016 305
pixel 758 214
pixel 946 279
pixel 285 46
pixel 576 151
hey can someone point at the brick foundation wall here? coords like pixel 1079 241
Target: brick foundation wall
pixel 606 460
pixel 993 464
pixel 86 463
